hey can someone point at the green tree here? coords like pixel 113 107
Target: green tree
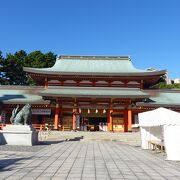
pixel 13 69
pixel 163 85
pixel 37 59
pixel 1 68
pixel 12 66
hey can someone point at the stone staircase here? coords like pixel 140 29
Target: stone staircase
pixel 132 138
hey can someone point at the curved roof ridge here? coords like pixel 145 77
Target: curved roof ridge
pixel 86 57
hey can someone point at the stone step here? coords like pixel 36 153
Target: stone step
pixel 133 137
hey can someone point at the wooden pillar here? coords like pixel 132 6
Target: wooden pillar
pixel 125 120
pixel 142 84
pixel 60 118
pixel 56 116
pixel 74 120
pixel 109 120
pixel 77 83
pixel 93 83
pixel 46 83
pixel 125 83
pixel 109 83
pixel 129 119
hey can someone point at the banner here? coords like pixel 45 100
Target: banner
pixel 41 111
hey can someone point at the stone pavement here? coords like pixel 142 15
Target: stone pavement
pixel 101 160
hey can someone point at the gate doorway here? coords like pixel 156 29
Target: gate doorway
pixel 93 123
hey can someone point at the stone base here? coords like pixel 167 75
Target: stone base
pixel 24 135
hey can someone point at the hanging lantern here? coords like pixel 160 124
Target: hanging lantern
pixel 96 111
pixel 104 111
pixel 79 110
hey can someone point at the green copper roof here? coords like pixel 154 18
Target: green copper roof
pixel 94 65
pixel 20 95
pixel 162 98
pixel 94 92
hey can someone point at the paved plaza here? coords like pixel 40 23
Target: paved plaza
pixel 83 159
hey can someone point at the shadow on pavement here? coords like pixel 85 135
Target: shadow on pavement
pixel 49 142
pixel 5 163
pixel 75 139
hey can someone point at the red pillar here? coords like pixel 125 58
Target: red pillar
pixel 109 120
pixel 141 84
pixel 129 119
pixel 45 83
pixel 60 119
pixel 74 120
pixel 125 120
pixel 56 116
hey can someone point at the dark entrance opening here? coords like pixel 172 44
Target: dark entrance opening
pixel 96 120
pixel 93 123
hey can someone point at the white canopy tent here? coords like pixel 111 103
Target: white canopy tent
pixel 161 125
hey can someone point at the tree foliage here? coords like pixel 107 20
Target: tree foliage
pixel 12 65
pixel 163 85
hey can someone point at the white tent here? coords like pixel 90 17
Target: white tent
pixel 163 125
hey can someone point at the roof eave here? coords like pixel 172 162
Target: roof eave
pixel 45 72
pixel 25 102
pixel 94 96
pixel 157 104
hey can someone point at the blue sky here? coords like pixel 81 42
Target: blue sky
pixel 147 30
